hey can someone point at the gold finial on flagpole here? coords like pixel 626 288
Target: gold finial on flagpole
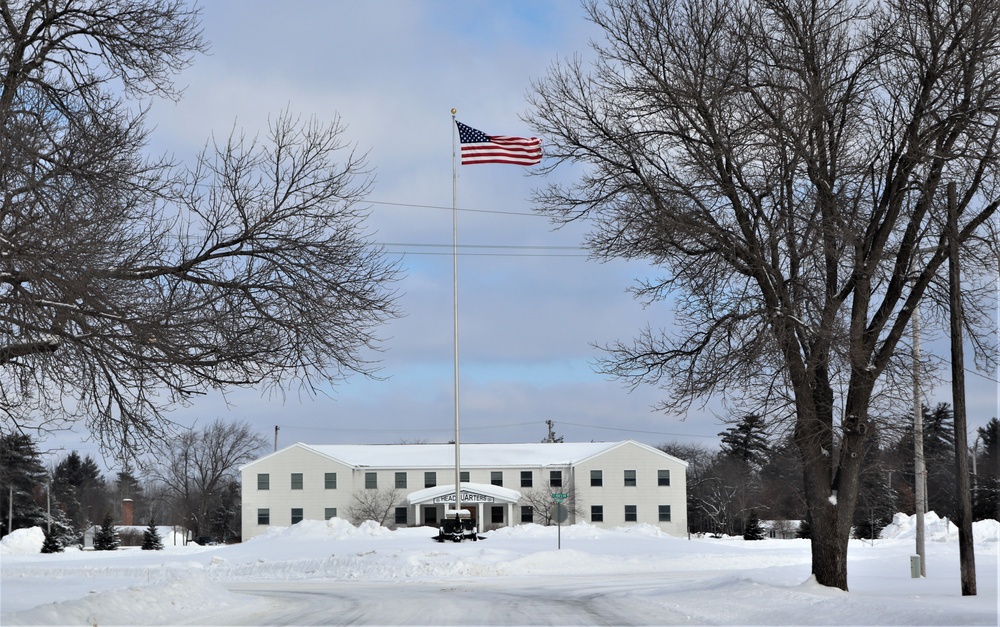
pixel 454 111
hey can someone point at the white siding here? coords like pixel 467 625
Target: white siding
pixel 612 459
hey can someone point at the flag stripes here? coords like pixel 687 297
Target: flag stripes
pixel 478 147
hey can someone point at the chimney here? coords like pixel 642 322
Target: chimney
pixel 126 512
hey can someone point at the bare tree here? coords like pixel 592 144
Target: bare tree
pixel 198 469
pixel 378 505
pixel 784 163
pixel 542 504
pixel 128 284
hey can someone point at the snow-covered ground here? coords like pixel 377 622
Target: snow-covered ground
pixel 335 573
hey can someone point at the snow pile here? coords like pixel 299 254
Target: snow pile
pixel 22 542
pixel 173 598
pixel 333 572
pixel 937 529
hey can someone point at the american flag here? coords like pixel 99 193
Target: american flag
pixel 478 147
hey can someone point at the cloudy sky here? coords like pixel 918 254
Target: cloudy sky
pixel 532 305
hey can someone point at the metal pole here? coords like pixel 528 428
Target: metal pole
pixel 276 438
pixel 919 471
pixel 454 274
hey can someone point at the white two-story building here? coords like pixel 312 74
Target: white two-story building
pixel 609 484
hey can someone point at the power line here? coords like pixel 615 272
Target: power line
pixel 467 210
pixel 687 435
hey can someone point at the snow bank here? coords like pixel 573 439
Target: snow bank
pixel 177 597
pixel 937 529
pixel 22 542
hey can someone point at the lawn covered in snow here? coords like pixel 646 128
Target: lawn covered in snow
pixel 335 573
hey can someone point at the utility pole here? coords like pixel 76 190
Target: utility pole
pixel 919 468
pixel 966 552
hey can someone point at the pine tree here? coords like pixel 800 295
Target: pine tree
pixel 106 538
pixel 151 538
pixel 51 544
pixel 753 529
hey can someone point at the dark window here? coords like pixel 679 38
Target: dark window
pixel 662 477
pixel 330 481
pixel 496 477
pixel 496 515
pixel 329 512
pixel 371 481
pixel 263 516
pixel 555 478
pixel 525 478
pixel 430 516
pixel 264 481
pixel 463 475
pixel 629 478
pixel 596 513
pixel 400 515
pixel 664 513
pixel 430 479
pixel 596 478
pixel 631 515
pixel 401 480
pixel 296 515
pixel 296 480
pixel 527 514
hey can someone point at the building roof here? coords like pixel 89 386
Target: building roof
pixel 472 455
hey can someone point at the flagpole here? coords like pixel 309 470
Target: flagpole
pixel 454 273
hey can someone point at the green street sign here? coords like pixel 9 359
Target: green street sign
pixel 559 496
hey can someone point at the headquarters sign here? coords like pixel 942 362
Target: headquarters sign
pixel 467 497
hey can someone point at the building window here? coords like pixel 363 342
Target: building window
pixel 430 479
pixel 664 513
pixel 263 516
pixel 596 513
pixel 496 514
pixel 496 477
pixel 596 478
pixel 527 514
pixel 662 477
pixel 329 512
pixel 296 480
pixel 631 515
pixel 629 478
pixel 296 515
pixel 555 478
pixel 330 481
pixel 371 481
pixel 525 478
pixel 463 475
pixel 263 481
pixel 401 480
pixel 400 515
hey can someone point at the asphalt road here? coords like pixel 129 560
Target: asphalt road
pixel 573 601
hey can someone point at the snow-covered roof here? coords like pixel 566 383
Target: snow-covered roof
pixel 494 456
pixel 504 495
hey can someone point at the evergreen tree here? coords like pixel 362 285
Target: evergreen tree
pixel 151 538
pixel 80 490
pixel 23 477
pixel 805 530
pixel 51 544
pixel 752 529
pixel 876 498
pixel 986 496
pixel 106 538
pixel 747 441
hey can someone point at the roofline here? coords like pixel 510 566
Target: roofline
pixel 466 464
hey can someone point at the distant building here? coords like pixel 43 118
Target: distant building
pixel 613 483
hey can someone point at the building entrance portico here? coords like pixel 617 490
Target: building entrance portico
pixel 475 498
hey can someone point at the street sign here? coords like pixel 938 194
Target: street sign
pixel 559 513
pixel 559 496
